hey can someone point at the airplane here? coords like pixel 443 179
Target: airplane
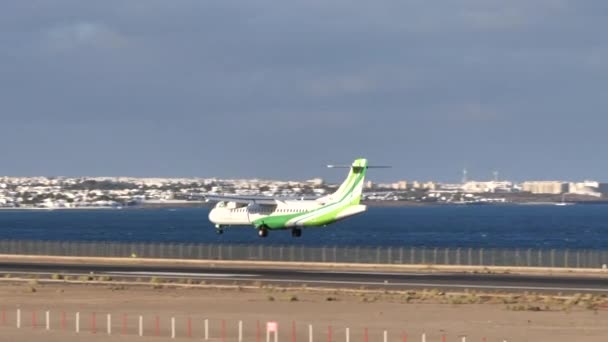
pixel 270 213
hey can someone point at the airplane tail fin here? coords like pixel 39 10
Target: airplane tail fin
pixel 351 189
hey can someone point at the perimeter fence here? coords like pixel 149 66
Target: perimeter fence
pixel 575 258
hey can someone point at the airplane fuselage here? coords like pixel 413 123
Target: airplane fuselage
pixel 273 213
pixel 288 214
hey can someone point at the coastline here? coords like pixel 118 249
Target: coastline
pixel 169 205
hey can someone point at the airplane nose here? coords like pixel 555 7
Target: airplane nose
pixel 213 216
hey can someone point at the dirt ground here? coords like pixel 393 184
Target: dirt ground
pixel 329 314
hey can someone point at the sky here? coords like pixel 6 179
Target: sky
pixel 278 89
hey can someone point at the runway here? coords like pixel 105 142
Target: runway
pixel 321 278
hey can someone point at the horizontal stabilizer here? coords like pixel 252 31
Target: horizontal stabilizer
pixel 349 166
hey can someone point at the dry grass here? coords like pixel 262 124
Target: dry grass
pixel 513 301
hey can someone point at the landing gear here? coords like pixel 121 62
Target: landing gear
pixel 296 232
pixel 262 232
pixel 219 229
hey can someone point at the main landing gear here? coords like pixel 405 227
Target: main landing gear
pixel 263 232
pixel 219 229
pixel 296 232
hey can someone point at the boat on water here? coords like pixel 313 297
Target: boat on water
pixel 563 202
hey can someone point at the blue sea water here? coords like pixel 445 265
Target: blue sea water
pixel 576 227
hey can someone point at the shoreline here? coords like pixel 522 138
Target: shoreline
pixel 374 204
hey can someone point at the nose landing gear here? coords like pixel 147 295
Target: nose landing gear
pixel 296 232
pixel 219 229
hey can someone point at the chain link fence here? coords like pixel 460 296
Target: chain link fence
pixel 333 254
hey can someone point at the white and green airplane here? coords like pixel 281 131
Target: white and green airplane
pixel 269 213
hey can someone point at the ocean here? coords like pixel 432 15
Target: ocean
pixel 501 226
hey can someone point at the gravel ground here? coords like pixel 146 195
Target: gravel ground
pixel 328 313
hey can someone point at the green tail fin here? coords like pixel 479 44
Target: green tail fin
pixel 351 189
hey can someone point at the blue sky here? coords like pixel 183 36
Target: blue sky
pixel 278 89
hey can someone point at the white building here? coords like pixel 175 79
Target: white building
pixel 485 187
pixel 545 187
pixel 588 188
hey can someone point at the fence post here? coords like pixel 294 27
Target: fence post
pixel 310 339
pixel 385 336
pixel 412 255
pixel 276 335
pixel 258 334
pixel 141 325
pixel 223 330
pixel 423 337
pixel 240 331
pixel 206 329
pixel 347 335
pixel 172 327
pixel 109 323
pixel 18 318
pixel 124 324
pixel 48 320
pixel 78 322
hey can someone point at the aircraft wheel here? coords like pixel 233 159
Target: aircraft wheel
pixel 296 232
pixel 263 232
pixel 219 231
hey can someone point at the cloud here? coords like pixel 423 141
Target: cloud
pixel 306 76
pixel 83 35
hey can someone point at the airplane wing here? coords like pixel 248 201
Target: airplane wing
pixel 263 200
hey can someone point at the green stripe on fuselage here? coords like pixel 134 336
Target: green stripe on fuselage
pixel 326 214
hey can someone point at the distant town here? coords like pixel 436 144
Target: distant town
pixel 120 192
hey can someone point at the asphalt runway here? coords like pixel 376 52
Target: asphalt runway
pixel 321 278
